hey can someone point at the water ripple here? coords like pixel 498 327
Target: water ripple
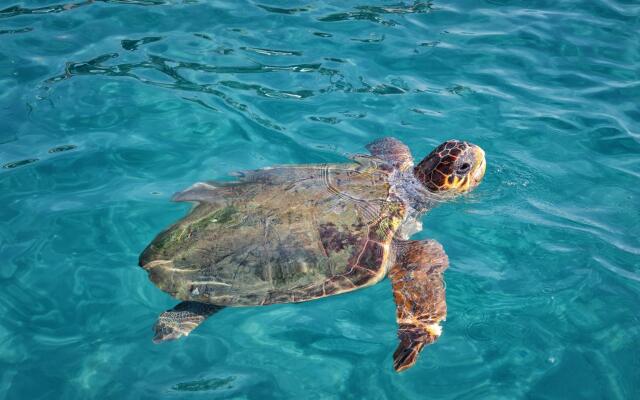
pixel 272 52
pixel 58 8
pixel 618 270
pixel 12 31
pixel 288 11
pixel 20 163
pixel 131 45
pixel 375 13
pixel 211 384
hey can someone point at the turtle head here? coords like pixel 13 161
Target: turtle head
pixel 454 167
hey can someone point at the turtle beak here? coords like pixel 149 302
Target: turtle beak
pixel 477 173
pixel 481 166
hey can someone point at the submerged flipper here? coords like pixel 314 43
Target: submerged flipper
pixel 182 319
pixel 393 151
pixel 419 293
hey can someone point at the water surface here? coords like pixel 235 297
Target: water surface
pixel 108 107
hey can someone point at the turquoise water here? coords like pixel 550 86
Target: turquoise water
pixel 108 107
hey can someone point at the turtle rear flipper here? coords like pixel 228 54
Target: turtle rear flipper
pixel 419 293
pixel 182 319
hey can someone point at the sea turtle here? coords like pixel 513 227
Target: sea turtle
pixel 294 233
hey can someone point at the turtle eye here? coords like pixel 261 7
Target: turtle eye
pixel 464 168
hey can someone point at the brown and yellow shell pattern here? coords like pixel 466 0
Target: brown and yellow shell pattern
pixel 279 235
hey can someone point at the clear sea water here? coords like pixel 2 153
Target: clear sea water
pixel 108 107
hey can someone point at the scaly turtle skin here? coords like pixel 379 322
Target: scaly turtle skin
pixel 295 233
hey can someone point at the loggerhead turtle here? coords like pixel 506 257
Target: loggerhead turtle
pixel 294 233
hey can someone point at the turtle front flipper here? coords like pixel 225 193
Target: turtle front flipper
pixel 182 319
pixel 419 293
pixel 393 151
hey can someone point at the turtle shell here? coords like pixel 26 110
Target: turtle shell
pixel 279 235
